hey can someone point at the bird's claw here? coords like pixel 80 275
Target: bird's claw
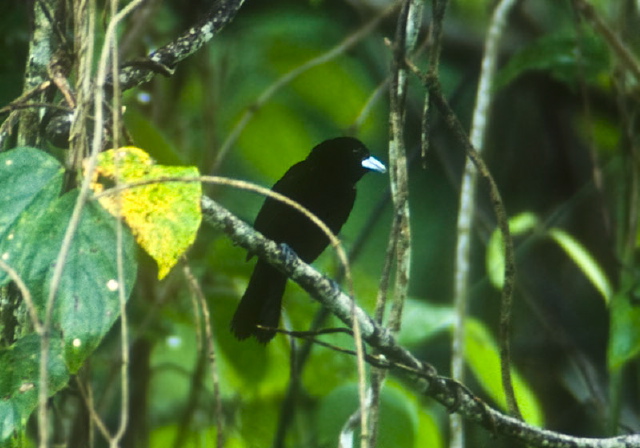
pixel 287 254
pixel 335 286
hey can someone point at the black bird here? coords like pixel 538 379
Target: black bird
pixel 324 183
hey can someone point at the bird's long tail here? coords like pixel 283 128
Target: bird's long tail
pixel 260 304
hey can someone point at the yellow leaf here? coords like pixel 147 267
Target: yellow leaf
pixel 163 216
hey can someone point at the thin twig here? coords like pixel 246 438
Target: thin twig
pixel 438 10
pixel 432 83
pixel 215 380
pixel 625 55
pixel 87 397
pixel 375 96
pixel 266 95
pixel 13 107
pixel 26 294
pixel 122 298
pixel 18 104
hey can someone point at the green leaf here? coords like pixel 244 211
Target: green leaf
pixel 86 304
pixel 563 56
pixel 241 359
pixel 165 437
pixel 20 380
pixel 33 224
pixel 429 434
pixel 422 321
pixel 325 370
pixel 399 421
pixel 164 217
pixel 624 339
pixel 526 222
pixel 30 180
pixel 147 135
pixel 494 259
pixel 587 264
pixel 483 358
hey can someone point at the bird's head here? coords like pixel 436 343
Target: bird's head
pixel 346 157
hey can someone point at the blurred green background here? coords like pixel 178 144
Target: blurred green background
pixel 562 112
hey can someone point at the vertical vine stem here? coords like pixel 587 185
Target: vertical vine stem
pixel 101 76
pixel 41 47
pixel 124 323
pixel 432 83
pixel 211 354
pixel 407 30
pixel 406 37
pixel 466 211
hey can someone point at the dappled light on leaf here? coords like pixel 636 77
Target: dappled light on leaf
pixel 164 216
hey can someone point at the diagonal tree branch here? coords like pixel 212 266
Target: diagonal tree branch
pixel 165 59
pixel 321 288
pixel 421 376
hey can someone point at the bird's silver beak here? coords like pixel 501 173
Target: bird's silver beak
pixel 373 164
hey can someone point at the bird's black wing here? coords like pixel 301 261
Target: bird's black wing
pixel 319 192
